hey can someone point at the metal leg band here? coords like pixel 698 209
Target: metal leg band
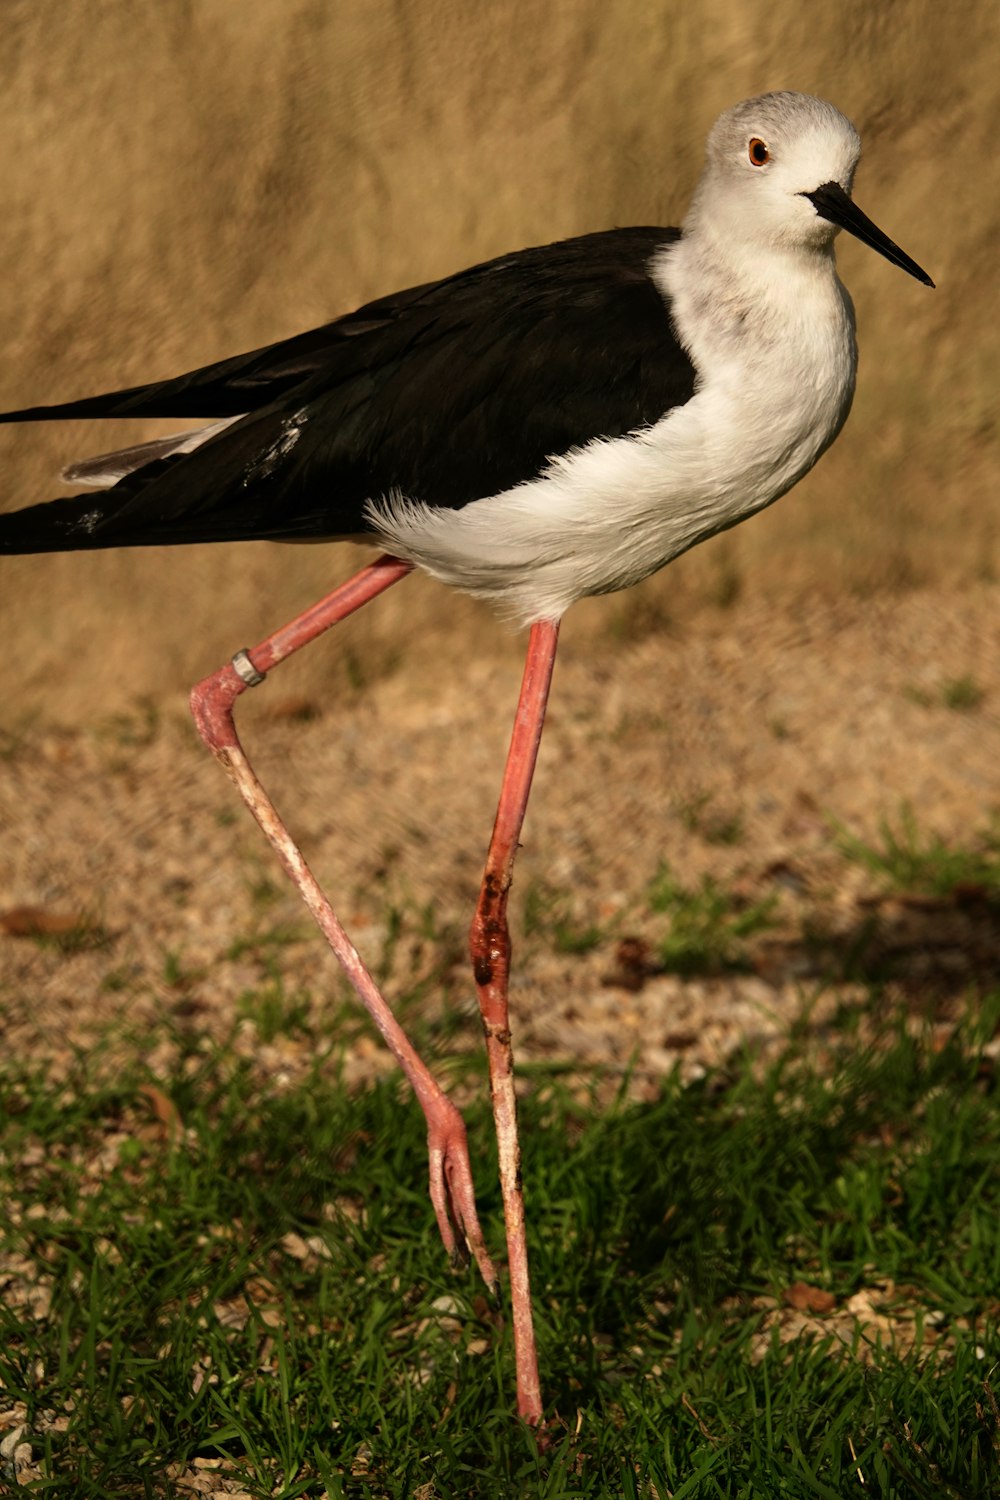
pixel 245 669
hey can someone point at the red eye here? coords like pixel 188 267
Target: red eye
pixel 758 152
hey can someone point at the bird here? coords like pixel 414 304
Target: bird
pixel 558 422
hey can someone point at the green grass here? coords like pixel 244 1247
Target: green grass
pixel 206 1274
pixel 707 928
pixel 256 1281
pixel 699 816
pixel 908 859
pixel 962 693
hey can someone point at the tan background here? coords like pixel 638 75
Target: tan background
pixel 185 180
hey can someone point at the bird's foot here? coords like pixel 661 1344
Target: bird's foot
pixel 453 1193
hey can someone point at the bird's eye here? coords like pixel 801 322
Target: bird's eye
pixel 758 152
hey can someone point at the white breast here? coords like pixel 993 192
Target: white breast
pixel 776 360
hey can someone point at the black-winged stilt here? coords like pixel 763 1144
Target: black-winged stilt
pixel 554 423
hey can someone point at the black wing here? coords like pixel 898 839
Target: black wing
pixel 447 392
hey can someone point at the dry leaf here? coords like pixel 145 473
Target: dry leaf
pixel 808 1298
pixel 164 1109
pixel 43 921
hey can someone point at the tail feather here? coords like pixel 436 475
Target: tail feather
pixel 54 526
pixel 89 522
pixel 77 523
pixel 235 485
pixel 101 520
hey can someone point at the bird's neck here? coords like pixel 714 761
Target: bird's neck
pixel 739 307
pixel 772 339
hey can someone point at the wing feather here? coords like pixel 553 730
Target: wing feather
pixel 445 393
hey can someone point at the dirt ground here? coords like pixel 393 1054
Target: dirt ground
pixel 734 748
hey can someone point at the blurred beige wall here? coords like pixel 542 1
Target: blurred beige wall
pixel 183 180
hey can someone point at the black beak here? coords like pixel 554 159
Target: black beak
pixel 831 202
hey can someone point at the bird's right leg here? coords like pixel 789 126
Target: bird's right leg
pixel 212 701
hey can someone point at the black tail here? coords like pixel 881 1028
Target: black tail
pixel 239 486
pixel 102 518
pixel 61 525
pixel 121 517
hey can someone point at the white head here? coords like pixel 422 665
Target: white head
pixel 778 175
pixel 761 157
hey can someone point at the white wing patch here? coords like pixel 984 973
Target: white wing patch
pixel 107 468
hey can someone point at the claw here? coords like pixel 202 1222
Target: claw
pixel 453 1194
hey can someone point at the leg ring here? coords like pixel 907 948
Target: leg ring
pixel 245 669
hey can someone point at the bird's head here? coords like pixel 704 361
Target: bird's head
pixel 778 173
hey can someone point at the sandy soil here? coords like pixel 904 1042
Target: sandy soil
pixel 732 750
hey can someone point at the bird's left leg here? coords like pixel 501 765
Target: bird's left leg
pixel 212 703
pixel 490 945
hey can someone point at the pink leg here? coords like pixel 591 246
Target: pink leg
pixel 212 701
pixel 490 943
